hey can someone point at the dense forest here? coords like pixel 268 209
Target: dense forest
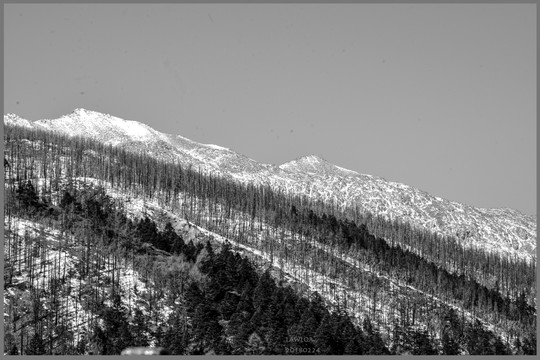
pixel 416 292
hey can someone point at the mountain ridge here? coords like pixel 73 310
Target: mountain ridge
pixel 500 229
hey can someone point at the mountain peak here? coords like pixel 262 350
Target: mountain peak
pixel 314 164
pixel 79 111
pixel 312 159
pixel 307 160
pixel 88 114
pixel 16 120
pixel 104 127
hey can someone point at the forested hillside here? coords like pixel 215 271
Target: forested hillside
pixel 501 231
pixel 232 268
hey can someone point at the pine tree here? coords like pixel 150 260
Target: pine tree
pixel 449 345
pixel 238 331
pixel 401 339
pixel 36 346
pixel 324 338
pixel 193 297
pixel 13 350
pixel 422 344
pixel 500 347
pixel 478 339
pixel 227 307
pixel 115 335
pixel 518 347
pixel 176 335
pixel 372 342
pixel 140 329
pixel 28 197
pixel 245 304
pixel 169 239
pixel 263 292
pixel 206 328
pixel 529 344
pixel 351 337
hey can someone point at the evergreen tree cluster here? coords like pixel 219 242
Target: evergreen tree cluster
pixel 240 310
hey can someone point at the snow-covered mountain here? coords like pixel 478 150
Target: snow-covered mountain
pixel 505 231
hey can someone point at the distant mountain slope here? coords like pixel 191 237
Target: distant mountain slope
pixel 504 231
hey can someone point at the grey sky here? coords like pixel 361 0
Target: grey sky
pixel 440 97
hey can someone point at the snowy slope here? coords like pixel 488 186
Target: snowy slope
pixel 335 291
pixel 504 231
pixel 16 120
pixel 62 251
